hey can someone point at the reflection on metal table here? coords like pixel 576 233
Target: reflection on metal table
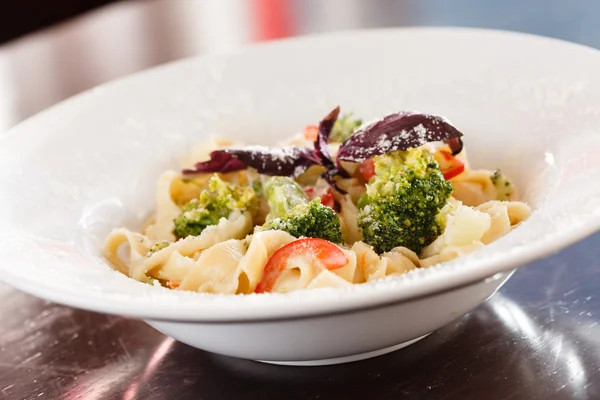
pixel 536 338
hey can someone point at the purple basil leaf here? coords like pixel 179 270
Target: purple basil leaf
pixel 322 141
pixel 219 162
pixel 331 173
pixel 455 144
pixel 290 161
pixel 322 150
pixel 399 131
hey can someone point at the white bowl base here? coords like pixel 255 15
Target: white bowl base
pixel 345 359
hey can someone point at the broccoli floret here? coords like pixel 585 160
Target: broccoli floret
pixel 257 187
pixel 292 211
pixel 310 220
pixel 157 247
pixel 283 194
pixel 504 188
pixel 217 201
pixel 344 127
pixel 402 203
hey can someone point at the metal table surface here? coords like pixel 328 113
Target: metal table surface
pixel 538 338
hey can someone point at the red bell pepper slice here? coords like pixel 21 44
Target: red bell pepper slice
pixel 311 132
pixel 326 196
pixel 367 169
pixel 450 165
pixel 325 253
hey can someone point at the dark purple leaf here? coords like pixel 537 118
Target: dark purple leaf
pixel 290 161
pixel 219 162
pixel 322 141
pixel 322 150
pixel 399 131
pixel 331 173
pixel 455 144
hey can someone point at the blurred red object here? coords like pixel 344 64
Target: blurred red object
pixel 273 19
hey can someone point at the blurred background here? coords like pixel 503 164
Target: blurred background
pixel 50 50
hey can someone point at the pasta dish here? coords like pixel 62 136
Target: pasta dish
pixel 341 203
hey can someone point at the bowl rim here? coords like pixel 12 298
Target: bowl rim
pixel 361 297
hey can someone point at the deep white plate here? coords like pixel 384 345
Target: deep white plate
pixel 527 104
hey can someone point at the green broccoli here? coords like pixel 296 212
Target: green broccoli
pixel 217 201
pixel 402 203
pixel 344 127
pixel 292 211
pixel 157 247
pixel 504 188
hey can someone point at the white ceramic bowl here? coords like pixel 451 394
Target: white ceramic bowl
pixel 527 104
